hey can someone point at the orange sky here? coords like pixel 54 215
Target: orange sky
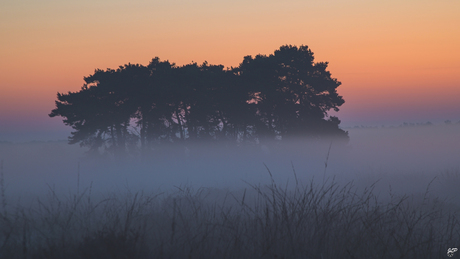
pixel 397 60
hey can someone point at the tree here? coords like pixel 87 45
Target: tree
pixel 292 93
pixel 281 95
pixel 154 108
pixel 102 107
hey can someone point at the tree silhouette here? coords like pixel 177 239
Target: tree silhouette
pixel 292 93
pixel 153 114
pixel 113 92
pixel 278 96
pixel 89 126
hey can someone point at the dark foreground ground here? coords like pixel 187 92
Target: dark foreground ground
pixel 313 220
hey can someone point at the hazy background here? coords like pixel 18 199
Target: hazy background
pixel 398 61
pixel 405 158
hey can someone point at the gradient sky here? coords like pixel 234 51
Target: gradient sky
pixel 397 60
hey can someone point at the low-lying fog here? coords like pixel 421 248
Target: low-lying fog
pixel 407 158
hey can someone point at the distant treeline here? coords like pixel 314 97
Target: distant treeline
pixel 267 97
pixel 404 125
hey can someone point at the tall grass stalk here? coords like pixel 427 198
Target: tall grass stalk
pixel 327 159
pixel 2 189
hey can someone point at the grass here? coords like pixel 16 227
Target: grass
pixel 312 220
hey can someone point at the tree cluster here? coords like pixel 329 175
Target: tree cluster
pixel 277 96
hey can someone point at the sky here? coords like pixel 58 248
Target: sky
pixel 398 61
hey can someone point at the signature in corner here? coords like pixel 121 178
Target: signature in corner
pixel 451 251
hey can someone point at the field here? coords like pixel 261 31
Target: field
pixel 389 193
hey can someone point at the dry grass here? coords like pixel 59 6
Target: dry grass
pixel 325 220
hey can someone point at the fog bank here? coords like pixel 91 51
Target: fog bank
pixel 405 158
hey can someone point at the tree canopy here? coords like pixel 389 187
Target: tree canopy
pixel 278 96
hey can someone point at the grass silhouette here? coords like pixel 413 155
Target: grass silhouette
pixel 312 220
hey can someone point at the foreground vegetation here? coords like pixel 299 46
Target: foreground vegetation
pixel 314 220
